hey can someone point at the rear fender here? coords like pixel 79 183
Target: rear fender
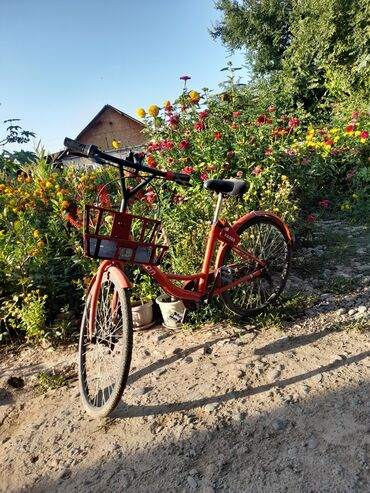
pixel 241 221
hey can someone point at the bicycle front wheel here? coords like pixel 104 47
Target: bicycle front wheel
pixel 266 240
pixel 105 355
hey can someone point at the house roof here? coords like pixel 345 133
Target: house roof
pixel 105 108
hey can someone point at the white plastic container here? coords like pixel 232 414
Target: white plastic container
pixel 172 311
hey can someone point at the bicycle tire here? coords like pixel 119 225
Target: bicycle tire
pixel 105 358
pixel 265 239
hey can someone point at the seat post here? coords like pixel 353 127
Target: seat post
pixel 218 209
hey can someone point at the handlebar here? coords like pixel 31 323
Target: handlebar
pixel 91 151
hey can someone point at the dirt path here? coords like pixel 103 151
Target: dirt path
pixel 279 408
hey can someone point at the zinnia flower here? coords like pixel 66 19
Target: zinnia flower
pixel 141 113
pixel 153 110
pixel 199 126
pixel 194 97
pixel 324 203
pixel 311 218
pixel 350 128
pixel 188 170
pixel 293 122
pixel 184 144
pixel 204 176
pixel 364 135
pixel 257 170
pixel 217 136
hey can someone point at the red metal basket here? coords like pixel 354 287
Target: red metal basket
pixel 109 234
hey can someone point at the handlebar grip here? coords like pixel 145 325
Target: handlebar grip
pixel 74 146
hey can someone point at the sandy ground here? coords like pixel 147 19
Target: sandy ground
pixel 285 408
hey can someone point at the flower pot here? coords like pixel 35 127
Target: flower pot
pixel 172 311
pixel 142 315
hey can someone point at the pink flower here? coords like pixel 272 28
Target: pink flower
pixel 178 198
pixel 203 114
pixel 199 126
pixel 188 170
pixel 184 144
pixel 364 135
pixel 324 203
pixel 239 173
pixel 257 170
pixel 311 218
pixel 217 136
pixel 185 77
pixel 167 144
pixel 174 119
pixel 334 152
pixel 271 109
pixel 354 114
pixel 150 198
pixel 293 122
pixel 204 176
pixel 268 152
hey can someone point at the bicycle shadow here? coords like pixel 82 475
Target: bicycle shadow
pixel 123 412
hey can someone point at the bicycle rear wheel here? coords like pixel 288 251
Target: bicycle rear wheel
pixel 104 358
pixel 266 240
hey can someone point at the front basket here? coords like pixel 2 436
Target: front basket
pixel 109 234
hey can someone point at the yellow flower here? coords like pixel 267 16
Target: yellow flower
pixel 36 233
pixel 153 110
pixel 336 138
pixel 363 141
pixel 284 178
pixel 357 133
pixel 167 104
pixel 194 96
pixel 276 209
pixel 141 113
pixel 1 232
pixel 116 143
pixel 354 196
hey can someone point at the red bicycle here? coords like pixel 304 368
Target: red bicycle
pixel 249 271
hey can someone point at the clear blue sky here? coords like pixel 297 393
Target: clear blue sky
pixel 62 60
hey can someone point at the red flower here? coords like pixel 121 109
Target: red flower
pixel 199 126
pixel 257 170
pixel 324 203
pixel 185 77
pixel 268 152
pixel 150 198
pixel 151 162
pixel 293 122
pixel 217 136
pixel 204 176
pixel 269 121
pixel 354 114
pixel 184 144
pixel 211 167
pixel 178 198
pixel 350 128
pixel 271 109
pixel 174 119
pixel 203 114
pixel 167 144
pixel 236 114
pixel 311 218
pixel 261 119
pixel 329 142
pixel 104 196
pixel 188 170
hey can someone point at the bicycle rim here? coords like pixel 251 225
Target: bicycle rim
pixel 266 240
pixel 104 358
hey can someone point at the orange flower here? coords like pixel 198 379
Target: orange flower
pixel 65 204
pixel 40 244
